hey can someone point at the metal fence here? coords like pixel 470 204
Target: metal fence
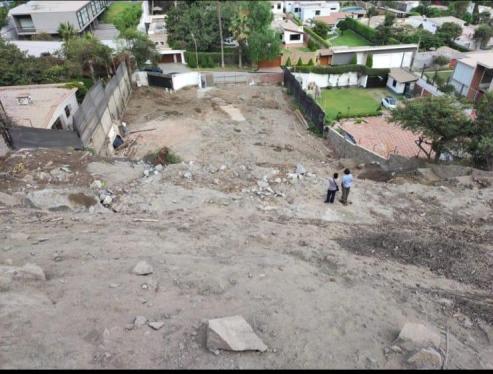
pixel 307 104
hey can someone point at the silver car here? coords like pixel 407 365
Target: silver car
pixel 389 102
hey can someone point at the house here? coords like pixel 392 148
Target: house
pixel 473 75
pixel 36 17
pixel 291 34
pixel 277 8
pixel 401 81
pixel 401 8
pixel 427 59
pixel 333 19
pixel 432 24
pixel 384 56
pixel 43 106
pixel 307 10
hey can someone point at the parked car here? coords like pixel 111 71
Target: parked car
pixel 153 69
pixel 389 102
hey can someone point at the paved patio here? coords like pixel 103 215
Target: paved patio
pixel 382 137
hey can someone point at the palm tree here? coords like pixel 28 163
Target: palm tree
pixel 240 30
pixel 66 31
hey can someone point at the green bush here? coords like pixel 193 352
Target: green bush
pixel 341 69
pixel 310 63
pixel 318 39
pixel 369 61
pixel 361 29
pixel 288 62
pixel 313 45
pixel 354 60
pixel 299 63
pixel 211 59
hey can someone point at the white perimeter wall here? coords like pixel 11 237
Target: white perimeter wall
pixel 186 79
pixel 331 80
pixel 392 60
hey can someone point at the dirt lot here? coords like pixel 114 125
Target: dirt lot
pixel 233 230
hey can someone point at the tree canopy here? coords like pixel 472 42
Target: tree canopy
pixel 439 120
pixel 140 46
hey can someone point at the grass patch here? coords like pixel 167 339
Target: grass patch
pixel 350 38
pixel 444 74
pixel 348 102
pixel 118 7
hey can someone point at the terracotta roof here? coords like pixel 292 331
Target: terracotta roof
pixel 332 18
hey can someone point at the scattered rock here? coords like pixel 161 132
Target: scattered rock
pixel 361 166
pixel 142 268
pixel 233 334
pixel 156 325
pixel 416 335
pixel 107 200
pixel 96 185
pixel 187 175
pixel 158 167
pixel 300 169
pixel 426 359
pixel 396 349
pixel 140 321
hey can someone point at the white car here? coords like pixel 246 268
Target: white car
pixel 389 102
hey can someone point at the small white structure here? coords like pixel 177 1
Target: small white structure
pixel 277 8
pixel 291 34
pixel 44 106
pixel 401 81
pixel 307 10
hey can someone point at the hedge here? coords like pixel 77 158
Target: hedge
pixel 212 59
pixel 363 30
pixel 341 69
pixel 318 39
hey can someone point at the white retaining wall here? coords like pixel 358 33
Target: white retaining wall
pixel 331 80
pixel 186 79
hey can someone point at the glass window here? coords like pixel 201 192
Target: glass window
pixel 317 12
pixel 93 8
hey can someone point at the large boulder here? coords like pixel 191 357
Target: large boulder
pixel 416 335
pixel 426 359
pixel 233 334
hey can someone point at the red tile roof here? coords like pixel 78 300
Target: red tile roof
pixel 332 18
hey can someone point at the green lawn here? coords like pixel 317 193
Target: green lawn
pixel 117 7
pixel 350 38
pixel 349 101
pixel 444 74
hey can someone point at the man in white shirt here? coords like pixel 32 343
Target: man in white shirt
pixel 332 189
pixel 347 181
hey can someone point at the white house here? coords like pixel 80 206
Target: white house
pixel 277 8
pixel 401 81
pixel 43 106
pixel 291 34
pixel 307 10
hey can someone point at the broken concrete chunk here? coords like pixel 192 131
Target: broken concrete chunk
pixel 233 334
pixel 426 359
pixel 416 335
pixel 156 325
pixel 140 321
pixel 300 169
pixel 142 268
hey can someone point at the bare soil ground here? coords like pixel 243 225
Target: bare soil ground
pixel 230 231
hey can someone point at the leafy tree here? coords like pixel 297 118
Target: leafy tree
pixel 264 45
pixel 383 34
pixel 140 46
pixel 321 28
pixel 389 19
pixel 343 26
pixel 458 8
pixel 482 137
pixel 484 17
pixel 441 60
pixel 439 121
pixel 240 27
pixel 482 35
pixel 128 18
pixel 3 16
pixel 449 31
pixel 87 53
pixel 371 12
pixel 67 31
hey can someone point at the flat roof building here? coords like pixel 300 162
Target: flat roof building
pixel 43 106
pixel 35 17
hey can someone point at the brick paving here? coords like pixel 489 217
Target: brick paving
pixel 382 137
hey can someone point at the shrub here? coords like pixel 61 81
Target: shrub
pixel 369 61
pixel 288 61
pixel 341 69
pixel 310 63
pixel 313 45
pixel 321 28
pixel 441 60
pixel 354 60
pixel 299 63
pixel 318 39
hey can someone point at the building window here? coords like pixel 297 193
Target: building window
pixel 333 8
pixel 394 83
pixel 93 8
pixel 295 37
pixel 317 12
pixel 297 10
pixel 278 5
pixel 67 111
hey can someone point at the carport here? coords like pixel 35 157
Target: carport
pixel 172 56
